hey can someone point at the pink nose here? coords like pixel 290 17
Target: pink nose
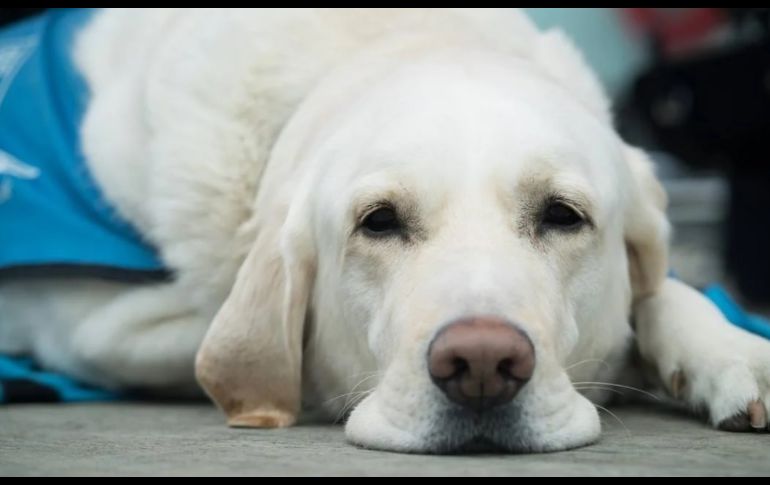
pixel 481 362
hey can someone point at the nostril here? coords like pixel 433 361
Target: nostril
pixel 504 369
pixel 460 366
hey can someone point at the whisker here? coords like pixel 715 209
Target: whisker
pixel 587 361
pixel 597 388
pixel 628 432
pixel 353 389
pixel 347 394
pixel 610 384
pixel 353 396
pixel 350 403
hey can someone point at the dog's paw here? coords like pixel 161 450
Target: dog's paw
pixel 733 391
pixel 703 360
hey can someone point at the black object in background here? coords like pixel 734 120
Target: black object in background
pixel 712 110
pixel 9 15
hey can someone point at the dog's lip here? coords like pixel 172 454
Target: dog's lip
pixel 499 432
pixel 481 445
pixel 478 445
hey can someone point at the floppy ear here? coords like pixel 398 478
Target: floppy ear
pixel 646 226
pixel 250 362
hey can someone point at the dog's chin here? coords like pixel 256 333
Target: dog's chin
pixel 450 430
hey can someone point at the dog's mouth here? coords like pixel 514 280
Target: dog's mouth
pixel 567 421
pixel 481 445
pixel 465 432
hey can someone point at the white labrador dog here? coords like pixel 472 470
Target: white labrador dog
pixel 422 218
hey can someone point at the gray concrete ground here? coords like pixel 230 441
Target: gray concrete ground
pixel 158 439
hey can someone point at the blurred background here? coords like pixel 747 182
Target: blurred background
pixel 692 86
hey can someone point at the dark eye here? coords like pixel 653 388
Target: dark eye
pixel 562 216
pixel 381 222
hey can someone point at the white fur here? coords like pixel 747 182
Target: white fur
pixel 244 143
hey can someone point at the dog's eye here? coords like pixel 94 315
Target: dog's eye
pixel 560 215
pixel 381 222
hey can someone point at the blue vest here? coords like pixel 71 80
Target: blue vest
pixel 54 220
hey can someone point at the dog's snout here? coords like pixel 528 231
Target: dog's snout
pixel 481 362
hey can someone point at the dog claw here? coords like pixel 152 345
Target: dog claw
pixel 678 381
pixel 757 415
pixel 739 422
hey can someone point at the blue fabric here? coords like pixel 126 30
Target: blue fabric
pixel 21 381
pixel 51 210
pixel 735 314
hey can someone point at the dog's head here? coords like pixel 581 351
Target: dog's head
pixel 439 240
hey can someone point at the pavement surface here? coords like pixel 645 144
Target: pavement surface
pixel 191 439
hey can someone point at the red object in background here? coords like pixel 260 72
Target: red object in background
pixel 676 30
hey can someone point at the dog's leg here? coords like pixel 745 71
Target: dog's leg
pixel 703 360
pixel 146 338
